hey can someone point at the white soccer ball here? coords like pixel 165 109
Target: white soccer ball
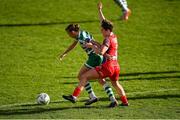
pixel 43 98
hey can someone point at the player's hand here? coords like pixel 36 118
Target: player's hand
pixel 97 51
pixel 88 45
pixel 100 5
pixel 109 57
pixel 62 56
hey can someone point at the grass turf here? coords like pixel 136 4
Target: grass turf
pixel 32 34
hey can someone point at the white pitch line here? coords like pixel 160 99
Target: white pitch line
pixel 130 93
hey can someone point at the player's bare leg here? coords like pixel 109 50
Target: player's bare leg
pixel 120 92
pixel 126 11
pixel 88 87
pixel 126 14
pixel 91 74
pixel 109 92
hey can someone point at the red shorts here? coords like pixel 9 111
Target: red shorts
pixel 109 69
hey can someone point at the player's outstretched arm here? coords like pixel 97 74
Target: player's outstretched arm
pixel 61 56
pixel 101 16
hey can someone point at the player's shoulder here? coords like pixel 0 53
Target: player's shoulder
pixel 113 35
pixel 84 35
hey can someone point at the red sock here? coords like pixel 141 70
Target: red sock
pixel 77 92
pixel 124 99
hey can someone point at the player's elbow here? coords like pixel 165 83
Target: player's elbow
pixel 102 52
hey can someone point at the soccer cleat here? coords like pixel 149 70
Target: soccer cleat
pixel 126 14
pixel 113 104
pixel 70 98
pixel 124 104
pixel 91 100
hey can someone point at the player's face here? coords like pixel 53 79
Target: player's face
pixel 104 32
pixel 72 34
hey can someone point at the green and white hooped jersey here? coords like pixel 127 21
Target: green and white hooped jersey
pixel 82 38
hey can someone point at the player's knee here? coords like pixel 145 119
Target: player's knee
pixel 114 84
pixel 81 84
pixel 82 77
pixel 102 81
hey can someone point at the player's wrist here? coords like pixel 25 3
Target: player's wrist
pixel 64 55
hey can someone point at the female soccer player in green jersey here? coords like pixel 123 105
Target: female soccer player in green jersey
pixel 81 36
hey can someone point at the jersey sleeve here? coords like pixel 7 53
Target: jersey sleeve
pixel 106 42
pixel 87 40
pixel 86 36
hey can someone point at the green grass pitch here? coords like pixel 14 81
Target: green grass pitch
pixel 32 35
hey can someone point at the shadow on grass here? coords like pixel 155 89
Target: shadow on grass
pixel 155 97
pixel 172 0
pixel 148 73
pixel 151 78
pixel 146 97
pixel 35 108
pixel 50 23
pixel 136 76
pixel 31 105
pixel 171 44
pixel 41 109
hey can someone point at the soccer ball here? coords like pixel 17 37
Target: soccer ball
pixel 43 98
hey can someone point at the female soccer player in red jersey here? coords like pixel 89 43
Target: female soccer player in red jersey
pixel 110 68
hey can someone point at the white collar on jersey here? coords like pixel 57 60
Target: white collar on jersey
pixel 111 33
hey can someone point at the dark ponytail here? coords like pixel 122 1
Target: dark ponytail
pixel 72 27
